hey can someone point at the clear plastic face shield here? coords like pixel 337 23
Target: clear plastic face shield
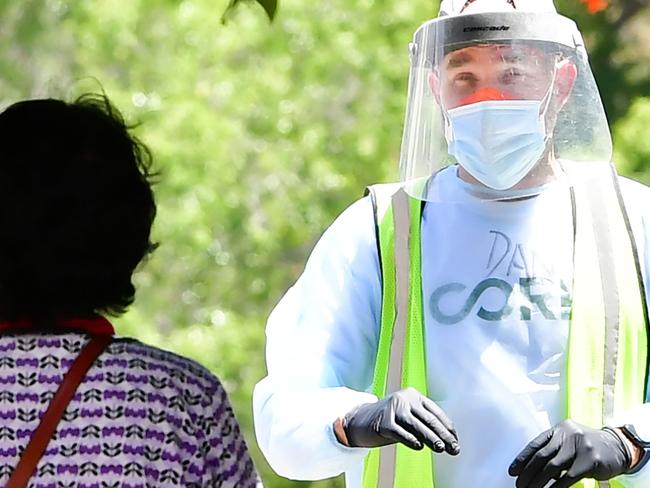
pixel 499 101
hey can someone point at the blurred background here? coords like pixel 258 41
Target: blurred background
pixel 263 132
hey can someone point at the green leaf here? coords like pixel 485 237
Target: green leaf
pixel 229 9
pixel 269 6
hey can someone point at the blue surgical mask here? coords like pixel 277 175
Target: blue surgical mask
pixel 498 141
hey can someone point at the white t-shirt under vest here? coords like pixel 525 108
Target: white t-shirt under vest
pixel 496 280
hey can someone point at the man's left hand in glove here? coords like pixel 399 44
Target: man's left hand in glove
pixel 570 452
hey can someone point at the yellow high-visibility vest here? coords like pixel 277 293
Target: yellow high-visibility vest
pixel 607 350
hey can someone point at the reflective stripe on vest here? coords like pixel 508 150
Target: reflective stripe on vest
pixel 607 354
pixel 607 358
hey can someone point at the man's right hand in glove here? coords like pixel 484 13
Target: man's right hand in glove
pixel 405 416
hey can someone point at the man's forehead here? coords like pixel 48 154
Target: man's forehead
pixel 491 53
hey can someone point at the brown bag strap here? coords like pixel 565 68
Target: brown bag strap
pixel 45 430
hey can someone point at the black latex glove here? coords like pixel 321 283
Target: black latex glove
pixel 405 416
pixel 568 453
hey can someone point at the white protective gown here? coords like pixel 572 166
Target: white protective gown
pixel 497 293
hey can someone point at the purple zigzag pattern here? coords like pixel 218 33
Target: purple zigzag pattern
pixel 176 360
pixel 165 455
pixel 92 449
pixel 173 457
pixel 157 367
pixel 195 469
pixel 135 413
pixel 7 415
pixel 69 432
pixel 116 431
pixel 122 363
pixel 92 413
pixel 137 378
pixel 111 469
pixel 152 473
pixel 117 394
pixel 94 377
pixel 157 398
pixel 194 417
pixel 9 452
pixel 30 397
pixel 52 451
pixel 137 450
pixel 23 433
pixel 174 420
pixel 67 468
pixel 152 414
pixel 31 362
pixel 216 441
pixel 46 342
pixel 189 448
pixel 233 469
pixel 50 379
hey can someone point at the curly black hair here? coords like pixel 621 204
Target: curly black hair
pixel 76 209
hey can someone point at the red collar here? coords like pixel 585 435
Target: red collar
pixel 91 325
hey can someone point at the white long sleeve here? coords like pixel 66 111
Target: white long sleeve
pixel 321 347
pixel 496 378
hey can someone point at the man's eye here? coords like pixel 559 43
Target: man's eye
pixel 511 75
pixel 464 78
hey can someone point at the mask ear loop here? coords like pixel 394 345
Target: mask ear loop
pixel 545 102
pixel 445 116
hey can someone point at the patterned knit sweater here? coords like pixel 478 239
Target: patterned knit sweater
pixel 142 417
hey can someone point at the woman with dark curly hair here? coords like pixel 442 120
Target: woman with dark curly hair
pixel 76 209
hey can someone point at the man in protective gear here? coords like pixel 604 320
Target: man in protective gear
pixel 483 322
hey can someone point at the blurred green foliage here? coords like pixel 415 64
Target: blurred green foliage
pixel 262 132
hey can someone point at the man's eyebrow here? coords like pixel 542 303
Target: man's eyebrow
pixel 458 60
pixel 513 57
